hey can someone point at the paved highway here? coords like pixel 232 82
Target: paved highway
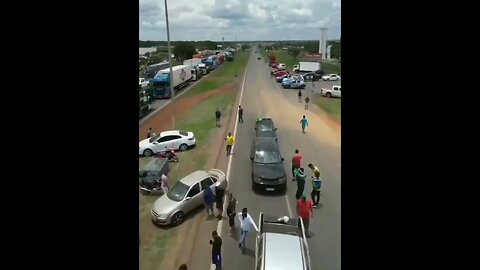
pixel 320 145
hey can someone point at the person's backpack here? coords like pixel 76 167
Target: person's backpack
pixel 317 183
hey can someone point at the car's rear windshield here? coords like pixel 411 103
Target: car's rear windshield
pixel 178 191
pixel 184 133
pixel 267 157
pixel 265 125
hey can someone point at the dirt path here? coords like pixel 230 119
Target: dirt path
pixel 194 229
pixel 163 119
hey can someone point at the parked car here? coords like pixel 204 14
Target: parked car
pixel 259 58
pixel 149 176
pixel 273 70
pixel 281 243
pixel 334 92
pixel 265 127
pixel 293 83
pixel 282 66
pixel 312 76
pixel 280 73
pixel 331 77
pixel 268 172
pixel 176 139
pixel 185 196
pixel 274 65
pixel 280 78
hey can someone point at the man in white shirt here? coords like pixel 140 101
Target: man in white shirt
pixel 164 183
pixel 245 222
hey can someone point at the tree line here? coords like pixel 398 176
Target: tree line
pixel 295 47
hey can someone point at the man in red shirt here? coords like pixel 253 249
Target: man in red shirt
pixel 305 211
pixel 296 160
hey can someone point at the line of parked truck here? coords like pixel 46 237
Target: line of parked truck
pixel 156 81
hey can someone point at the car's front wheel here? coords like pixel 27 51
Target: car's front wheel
pixel 148 152
pixel 329 95
pixel 177 219
pixel 183 147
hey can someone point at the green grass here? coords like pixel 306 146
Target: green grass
pixel 330 105
pixel 331 68
pixel 223 75
pixel 200 120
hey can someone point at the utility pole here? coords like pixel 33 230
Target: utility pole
pixel 170 76
pixel 234 56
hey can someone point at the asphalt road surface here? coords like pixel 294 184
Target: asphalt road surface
pixel 320 145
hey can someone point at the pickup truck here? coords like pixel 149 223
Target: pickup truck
pixel 334 92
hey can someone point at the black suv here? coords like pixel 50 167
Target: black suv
pixel 264 127
pixel 267 166
pixel 317 75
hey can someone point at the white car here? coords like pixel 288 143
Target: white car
pixel 176 139
pixel 282 66
pixel 142 82
pixel 331 77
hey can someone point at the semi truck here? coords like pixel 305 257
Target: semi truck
pixel 193 63
pixel 202 68
pixel 145 99
pixel 182 75
pixel 306 67
pixel 152 70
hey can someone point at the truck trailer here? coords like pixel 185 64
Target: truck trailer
pixel 306 67
pixel 182 75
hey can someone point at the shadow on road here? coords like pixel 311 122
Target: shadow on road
pixel 249 252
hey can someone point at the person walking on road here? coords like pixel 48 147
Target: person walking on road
pixel 316 185
pixel 219 193
pixel 216 250
pixel 245 222
pixel 231 212
pixel 315 170
pixel 296 160
pixel 300 178
pixel 240 114
pixel 299 95
pixel 305 211
pixel 164 183
pixel 150 133
pixel 230 140
pixel 183 267
pixel 304 123
pixel 218 114
pixel 208 199
pixel 307 99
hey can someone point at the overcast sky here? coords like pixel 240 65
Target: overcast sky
pixel 249 19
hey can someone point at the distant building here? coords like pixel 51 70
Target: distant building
pixel 143 51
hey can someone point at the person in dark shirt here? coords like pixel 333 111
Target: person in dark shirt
pixel 219 193
pixel 240 114
pixel 231 212
pixel 216 250
pixel 217 117
pixel 183 267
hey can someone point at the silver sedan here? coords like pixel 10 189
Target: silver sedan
pixel 185 196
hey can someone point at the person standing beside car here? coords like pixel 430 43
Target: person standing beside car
pixel 216 250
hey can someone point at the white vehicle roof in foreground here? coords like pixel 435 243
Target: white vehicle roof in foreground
pixel 169 132
pixel 284 248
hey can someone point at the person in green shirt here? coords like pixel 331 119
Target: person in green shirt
pixel 300 177
pixel 304 123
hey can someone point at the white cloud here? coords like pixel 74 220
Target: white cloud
pixel 248 19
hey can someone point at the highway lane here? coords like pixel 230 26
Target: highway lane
pixel 321 146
